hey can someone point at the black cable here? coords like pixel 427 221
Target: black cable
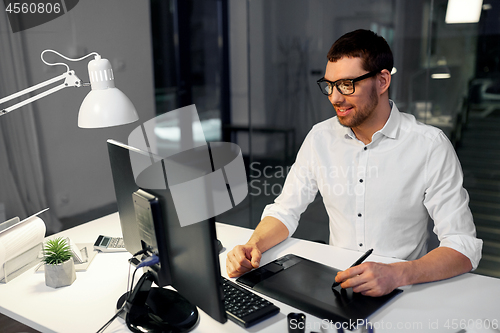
pixel 148 261
pixel 132 283
pixel 129 290
pixel 112 319
pixel 140 252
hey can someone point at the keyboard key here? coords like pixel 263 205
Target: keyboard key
pixel 244 307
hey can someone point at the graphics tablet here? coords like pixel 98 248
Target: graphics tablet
pixel 307 285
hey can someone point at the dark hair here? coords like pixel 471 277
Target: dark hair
pixel 365 44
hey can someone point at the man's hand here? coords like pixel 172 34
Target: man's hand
pixel 376 279
pixel 370 278
pixel 244 258
pixel 241 259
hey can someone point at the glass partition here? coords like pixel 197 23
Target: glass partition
pixel 447 76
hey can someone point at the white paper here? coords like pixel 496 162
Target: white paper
pixel 20 238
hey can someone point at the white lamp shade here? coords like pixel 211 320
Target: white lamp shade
pixel 105 108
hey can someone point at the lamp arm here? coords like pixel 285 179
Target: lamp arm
pixel 70 80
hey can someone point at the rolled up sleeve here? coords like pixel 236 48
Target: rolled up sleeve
pixel 448 202
pixel 299 190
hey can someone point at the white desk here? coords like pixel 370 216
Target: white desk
pixel 89 302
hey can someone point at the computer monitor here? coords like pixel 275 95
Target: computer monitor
pixel 189 259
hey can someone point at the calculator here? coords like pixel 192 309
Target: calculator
pixel 109 244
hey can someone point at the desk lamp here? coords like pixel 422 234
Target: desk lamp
pixel 104 106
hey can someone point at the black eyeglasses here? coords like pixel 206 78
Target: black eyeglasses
pixel 344 86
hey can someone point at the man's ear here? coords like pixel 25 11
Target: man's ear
pixel 383 81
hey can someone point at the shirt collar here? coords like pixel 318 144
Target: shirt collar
pixel 390 128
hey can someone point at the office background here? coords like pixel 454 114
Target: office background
pixel 250 67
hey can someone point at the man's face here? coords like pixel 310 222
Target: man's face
pixel 356 109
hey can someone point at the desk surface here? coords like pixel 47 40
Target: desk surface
pixel 89 302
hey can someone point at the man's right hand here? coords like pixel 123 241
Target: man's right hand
pixel 242 259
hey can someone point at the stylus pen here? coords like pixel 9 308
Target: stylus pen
pixel 358 262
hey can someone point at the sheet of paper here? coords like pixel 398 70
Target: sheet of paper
pixel 19 238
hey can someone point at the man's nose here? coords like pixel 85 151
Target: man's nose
pixel 335 97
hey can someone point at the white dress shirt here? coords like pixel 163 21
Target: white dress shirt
pixel 381 195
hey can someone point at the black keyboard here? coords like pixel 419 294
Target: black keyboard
pixel 244 307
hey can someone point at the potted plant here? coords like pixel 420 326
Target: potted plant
pixel 59 264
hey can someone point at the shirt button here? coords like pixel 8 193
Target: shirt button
pixel 361 180
pixel 360 244
pixel 365 148
pixel 359 215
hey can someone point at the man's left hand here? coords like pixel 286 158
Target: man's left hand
pixel 370 278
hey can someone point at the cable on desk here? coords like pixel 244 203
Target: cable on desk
pixel 129 289
pixel 112 319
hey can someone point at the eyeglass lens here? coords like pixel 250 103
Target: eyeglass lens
pixel 345 87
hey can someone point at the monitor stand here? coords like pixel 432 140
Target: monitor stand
pixel 152 309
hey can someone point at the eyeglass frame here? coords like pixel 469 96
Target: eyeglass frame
pixel 359 78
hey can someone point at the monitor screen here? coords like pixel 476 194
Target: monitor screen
pixel 190 252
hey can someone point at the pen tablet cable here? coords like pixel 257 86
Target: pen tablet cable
pixel 129 289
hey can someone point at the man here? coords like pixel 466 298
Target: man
pixel 381 174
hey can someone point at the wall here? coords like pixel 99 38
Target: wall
pixel 75 160
pixel 289 40
pixel 241 50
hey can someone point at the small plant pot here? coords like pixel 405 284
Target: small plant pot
pixel 60 275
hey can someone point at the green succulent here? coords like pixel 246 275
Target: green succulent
pixel 56 251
